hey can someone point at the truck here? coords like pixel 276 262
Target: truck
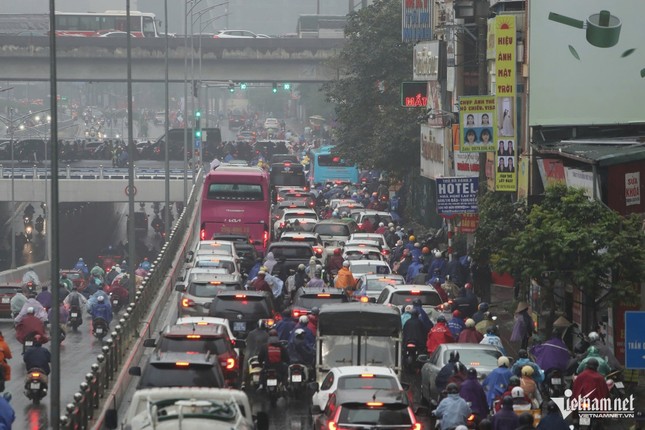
pixel 355 334
pixel 189 408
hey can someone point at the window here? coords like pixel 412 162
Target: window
pixel 254 307
pixel 383 297
pixel 299 252
pixel 309 301
pixel 216 345
pixel 360 414
pixel 149 28
pixel 430 298
pixel 476 357
pixel 329 160
pixel 204 290
pixel 327 382
pixel 332 230
pixel 377 382
pixel 168 375
pixel 241 192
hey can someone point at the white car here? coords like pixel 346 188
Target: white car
pixel 364 267
pixel 352 378
pixel 271 123
pixel 293 214
pixel 362 252
pixel 235 34
pixel 372 237
pixel 403 295
pixel 334 203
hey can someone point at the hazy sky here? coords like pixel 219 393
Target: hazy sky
pixel 272 17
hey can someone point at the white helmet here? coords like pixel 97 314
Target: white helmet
pixel 304 319
pixel 593 337
pixel 517 392
pixel 436 253
pixel 503 361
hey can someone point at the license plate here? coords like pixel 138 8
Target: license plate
pixel 116 302
pixel 556 381
pixel 29 343
pixel 296 378
pixel 35 385
pixel 256 378
pixel 620 385
pixel 585 420
pixel 6 300
pixel 239 326
pixel 99 330
pixel 74 315
pixel 272 382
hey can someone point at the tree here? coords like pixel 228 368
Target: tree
pixel 374 130
pixel 579 242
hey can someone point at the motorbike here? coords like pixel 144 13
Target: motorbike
pixel 75 317
pixel 100 328
pixel 615 385
pixel 29 231
pixel 273 385
pixel 554 384
pixel 410 354
pixel 255 370
pixel 35 385
pixel 116 302
pixel 298 377
pixel 40 225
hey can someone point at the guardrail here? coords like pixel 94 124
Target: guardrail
pixel 81 411
pixel 100 172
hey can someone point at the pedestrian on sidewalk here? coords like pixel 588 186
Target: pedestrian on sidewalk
pixel 523 326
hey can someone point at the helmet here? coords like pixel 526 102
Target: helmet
pixel 436 253
pixel 299 331
pixel 452 388
pixel 31 310
pixel 301 267
pixel 417 245
pixel 441 318
pixel 273 332
pixel 337 251
pixel 468 286
pixel 517 392
pixel 80 259
pixel 38 339
pixel 514 381
pixel 503 361
pixel 527 371
pixel 483 306
pixel 592 364
pixel 412 238
pixel 522 353
pixel 391 224
pixel 414 312
pixel 470 323
pixel 345 263
pixel 454 356
pixel 508 401
pixel 456 314
pixel 100 299
pixel 262 273
pixel 315 310
pixel 304 319
pixel 472 372
pixel 593 337
pixel 425 250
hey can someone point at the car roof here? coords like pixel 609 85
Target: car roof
pixel 411 287
pixel 173 357
pixel 289 245
pixel 358 370
pixel 368 263
pixel 179 330
pixel 212 277
pixel 248 293
pixel 477 346
pixel 361 248
pixel 376 395
pixel 304 234
pixel 337 221
pixel 316 290
pixel 300 210
pixel 372 276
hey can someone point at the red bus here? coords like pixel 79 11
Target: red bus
pixel 236 200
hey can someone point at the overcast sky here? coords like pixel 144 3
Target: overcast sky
pixel 271 17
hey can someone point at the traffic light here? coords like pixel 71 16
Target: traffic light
pixel 198 126
pixel 275 88
pixel 286 86
pixel 231 87
pixel 243 85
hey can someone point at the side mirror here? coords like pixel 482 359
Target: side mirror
pixel 134 371
pixel 315 410
pixel 423 358
pixel 313 387
pixel 181 277
pixel 149 343
pixel 262 421
pixel 111 419
pixel 405 386
pixel 180 287
pixel 240 343
pixel 372 299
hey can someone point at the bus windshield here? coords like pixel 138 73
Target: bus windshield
pixel 287 175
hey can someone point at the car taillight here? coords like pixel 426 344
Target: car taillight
pixel 360 225
pixel 331 425
pixel 182 364
pixel 318 250
pixel 202 234
pixel 415 292
pixel 367 375
pixel 265 239
pixel 240 296
pixel 323 295
pixel 415 424
pixel 374 404
pixel 193 336
pixel 187 303
pixel 385 252
pixel 364 299
pixel 282 225
pixel 35 374
pixel 230 363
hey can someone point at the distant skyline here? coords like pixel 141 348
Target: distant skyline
pixel 272 17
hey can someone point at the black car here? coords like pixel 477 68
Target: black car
pixel 242 309
pixel 180 369
pixel 289 256
pixel 306 299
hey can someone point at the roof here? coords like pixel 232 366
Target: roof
pixel 357 370
pixel 233 170
pixel 212 330
pixel 316 290
pixel 603 152
pixel 385 276
pixel 412 287
pixel 289 244
pixel 377 395
pixel 172 357
pixel 249 293
pixel 355 317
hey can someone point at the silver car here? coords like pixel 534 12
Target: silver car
pixel 481 357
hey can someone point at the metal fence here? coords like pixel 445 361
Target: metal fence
pixel 102 373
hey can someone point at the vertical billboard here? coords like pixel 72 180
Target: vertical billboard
pixel 434 152
pixel 416 22
pixel 465 163
pixel 505 90
pixel 428 61
pixel 477 119
pixel 587 62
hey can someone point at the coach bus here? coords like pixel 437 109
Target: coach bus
pixel 328 167
pixel 86 24
pixel 236 200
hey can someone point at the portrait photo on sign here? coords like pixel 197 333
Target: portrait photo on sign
pixel 505 114
pixel 470 137
pixel 485 136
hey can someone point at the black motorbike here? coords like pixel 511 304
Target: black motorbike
pixel 36 385
pixel 75 317
pixel 273 385
pixel 410 354
pixel 554 384
pixel 116 302
pixel 100 328
pixel 298 378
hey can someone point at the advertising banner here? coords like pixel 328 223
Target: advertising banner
pixel 457 195
pixel 505 89
pixel 602 55
pixel 523 177
pixel 551 171
pixel 490 41
pixel 467 223
pixel 434 103
pixel 580 179
pixel 416 23
pixel 632 188
pixel 428 61
pixel 465 163
pixel 477 120
pixel 434 152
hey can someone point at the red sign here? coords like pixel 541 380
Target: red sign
pixel 414 94
pixel 468 223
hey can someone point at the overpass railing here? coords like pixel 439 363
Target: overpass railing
pixel 142 310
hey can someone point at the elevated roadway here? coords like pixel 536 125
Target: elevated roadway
pixel 104 59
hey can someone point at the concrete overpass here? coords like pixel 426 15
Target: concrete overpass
pixel 26 58
pixel 91 185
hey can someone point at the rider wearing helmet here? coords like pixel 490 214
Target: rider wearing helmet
pixel 520 401
pixel 506 418
pixel 102 309
pixel 497 381
pixel 439 334
pixel 593 353
pixel 453 410
pixel 529 386
pixel 415 332
pixel 492 338
pixel 604 350
pixel 482 308
pixel 469 334
pixel 82 267
pixel 30 324
pixel 553 419
pixel 37 356
pixel 452 371
pixel 335 262
pixel 524 360
pixel 589 383
pixel 472 392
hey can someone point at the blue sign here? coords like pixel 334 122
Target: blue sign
pixel 198 143
pixel 457 195
pixel 634 340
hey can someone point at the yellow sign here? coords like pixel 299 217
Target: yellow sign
pixel 505 93
pixel 477 120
